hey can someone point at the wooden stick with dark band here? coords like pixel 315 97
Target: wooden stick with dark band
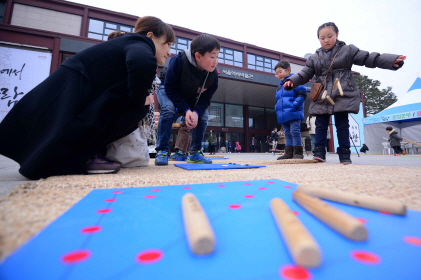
pixel 333 217
pixel 199 232
pixel 301 245
pixel 338 84
pixel 359 200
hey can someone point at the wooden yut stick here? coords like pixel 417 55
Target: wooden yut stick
pixel 338 84
pixel 330 100
pixel 412 142
pixel 331 216
pixel 359 200
pixel 199 232
pixel 324 95
pixel 301 245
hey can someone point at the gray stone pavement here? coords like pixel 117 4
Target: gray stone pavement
pixel 10 176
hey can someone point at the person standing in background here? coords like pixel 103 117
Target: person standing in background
pixel 327 139
pixel 281 134
pixel 311 125
pixel 253 144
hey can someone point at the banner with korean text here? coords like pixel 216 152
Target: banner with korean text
pixel 20 71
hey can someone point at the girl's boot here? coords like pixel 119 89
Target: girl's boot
pixel 344 155
pixel 319 154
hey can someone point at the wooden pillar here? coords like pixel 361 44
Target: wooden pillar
pixel 55 59
pixel 246 128
pixel 85 23
pixel 8 9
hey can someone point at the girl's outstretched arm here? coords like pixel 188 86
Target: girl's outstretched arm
pixel 374 59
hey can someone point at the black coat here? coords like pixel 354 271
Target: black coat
pixel 92 99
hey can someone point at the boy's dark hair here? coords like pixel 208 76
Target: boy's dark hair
pixel 204 43
pixel 389 128
pixel 282 64
pixel 335 28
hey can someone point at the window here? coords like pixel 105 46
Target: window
pixel 257 118
pixel 216 114
pixel 230 57
pixel 261 63
pixel 234 115
pixel 180 45
pixel 99 29
pixel 2 7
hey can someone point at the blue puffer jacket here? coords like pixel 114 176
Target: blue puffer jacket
pixel 290 104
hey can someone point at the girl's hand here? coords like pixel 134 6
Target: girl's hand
pixel 399 59
pixel 288 84
pixel 149 100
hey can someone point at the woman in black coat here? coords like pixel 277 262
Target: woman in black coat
pixel 94 98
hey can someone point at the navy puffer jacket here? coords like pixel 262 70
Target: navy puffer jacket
pixel 290 104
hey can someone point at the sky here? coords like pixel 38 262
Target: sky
pixel 291 26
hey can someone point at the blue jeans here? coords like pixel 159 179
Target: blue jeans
pixel 398 150
pixel 313 140
pixel 342 129
pixel 166 118
pixel 293 133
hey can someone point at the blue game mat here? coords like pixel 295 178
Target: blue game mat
pixel 138 233
pixel 194 166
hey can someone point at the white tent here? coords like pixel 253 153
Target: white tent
pixel 404 116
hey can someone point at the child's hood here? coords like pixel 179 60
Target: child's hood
pixel 191 59
pixel 392 132
pixel 283 81
pixel 338 43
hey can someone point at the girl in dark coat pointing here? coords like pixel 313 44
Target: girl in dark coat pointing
pixel 94 98
pixel 334 103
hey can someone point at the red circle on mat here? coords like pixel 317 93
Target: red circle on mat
pixel 186 188
pixel 111 200
pixel 117 191
pixel 76 256
pixel 102 211
pixel 288 187
pixel 270 182
pixel 235 206
pixel 247 184
pixel 413 240
pixel 249 196
pixel 362 220
pixel 365 257
pixel 155 190
pixel 385 213
pixel 262 188
pixel 295 213
pixel 220 185
pixel 91 229
pixel 292 272
pixel 149 196
pixel 149 256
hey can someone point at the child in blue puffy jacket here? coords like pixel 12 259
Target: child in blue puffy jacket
pixel 289 110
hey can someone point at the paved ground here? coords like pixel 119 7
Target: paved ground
pixel 10 177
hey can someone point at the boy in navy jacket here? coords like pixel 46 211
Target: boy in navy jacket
pixel 182 93
pixel 289 110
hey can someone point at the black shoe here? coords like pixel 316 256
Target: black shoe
pixel 319 154
pixel 344 155
pixel 288 153
pixel 298 152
